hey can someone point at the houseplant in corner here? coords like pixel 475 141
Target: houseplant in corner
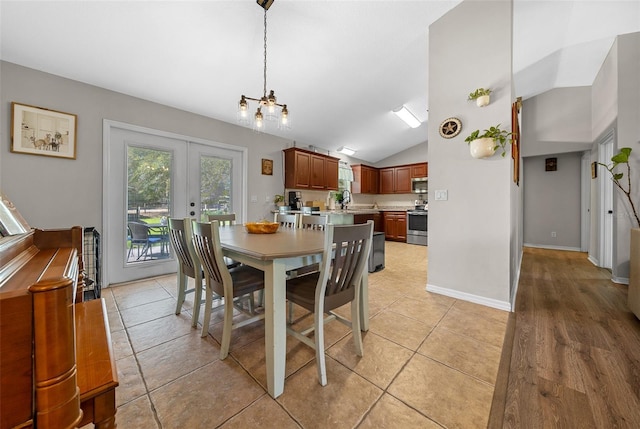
pixel 482 96
pixel 485 145
pixel 619 159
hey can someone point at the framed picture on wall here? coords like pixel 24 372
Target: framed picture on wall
pixel 267 167
pixel 40 131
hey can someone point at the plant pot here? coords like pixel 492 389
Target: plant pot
pixel 483 100
pixel 633 298
pixel 482 148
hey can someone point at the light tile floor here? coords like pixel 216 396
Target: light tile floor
pixel 429 361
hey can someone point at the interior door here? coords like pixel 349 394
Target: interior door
pixel 150 176
pixel 606 206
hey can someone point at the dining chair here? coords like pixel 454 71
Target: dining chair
pixel 344 259
pixel 226 219
pixel 181 238
pixel 235 284
pixel 143 240
pixel 286 220
pixel 313 222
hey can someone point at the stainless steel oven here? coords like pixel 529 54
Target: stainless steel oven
pixel 417 227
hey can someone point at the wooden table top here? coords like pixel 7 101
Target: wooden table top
pixel 284 243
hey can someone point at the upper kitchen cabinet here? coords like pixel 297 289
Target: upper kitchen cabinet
pixel 365 179
pixel 395 180
pixel 420 170
pixel 304 169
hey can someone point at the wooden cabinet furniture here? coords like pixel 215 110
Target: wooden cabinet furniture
pixel 53 373
pixel 304 169
pixel 378 225
pixel 365 179
pixel 419 170
pixel 395 226
pixel 395 180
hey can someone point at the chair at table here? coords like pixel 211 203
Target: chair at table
pixel 188 265
pixel 233 284
pixel 143 240
pixel 224 219
pixel 286 220
pixel 344 260
pixel 313 222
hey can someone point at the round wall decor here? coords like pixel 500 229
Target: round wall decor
pixel 450 128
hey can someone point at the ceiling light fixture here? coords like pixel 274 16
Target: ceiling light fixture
pixel 347 151
pixel 268 102
pixel 410 119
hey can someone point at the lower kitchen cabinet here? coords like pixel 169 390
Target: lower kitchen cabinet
pixel 395 226
pixel 378 225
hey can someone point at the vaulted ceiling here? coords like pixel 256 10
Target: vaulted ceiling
pixel 340 66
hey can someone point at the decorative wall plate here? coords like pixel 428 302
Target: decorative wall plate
pixel 450 127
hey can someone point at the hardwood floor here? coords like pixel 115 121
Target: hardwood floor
pixel 575 361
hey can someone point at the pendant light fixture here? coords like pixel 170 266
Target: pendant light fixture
pixel 267 104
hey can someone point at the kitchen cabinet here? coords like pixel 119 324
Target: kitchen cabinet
pixel 378 225
pixel 304 169
pixel 395 180
pixel 419 170
pixel 395 226
pixel 365 179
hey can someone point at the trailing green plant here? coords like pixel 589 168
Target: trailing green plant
pixel 278 199
pixel 498 135
pixel 618 159
pixel 479 93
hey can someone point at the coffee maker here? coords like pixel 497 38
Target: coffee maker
pixel 295 200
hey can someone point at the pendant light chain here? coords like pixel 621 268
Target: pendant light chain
pixel 264 88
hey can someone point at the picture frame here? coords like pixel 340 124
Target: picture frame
pixel 594 170
pixel 551 164
pixel 515 139
pixel 267 167
pixel 41 131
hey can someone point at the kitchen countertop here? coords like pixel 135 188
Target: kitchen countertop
pixel 357 210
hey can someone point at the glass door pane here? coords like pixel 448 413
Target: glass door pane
pixel 215 186
pixel 148 203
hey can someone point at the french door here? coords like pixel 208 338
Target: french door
pixel 150 176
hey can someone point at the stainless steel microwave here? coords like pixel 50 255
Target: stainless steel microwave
pixel 419 185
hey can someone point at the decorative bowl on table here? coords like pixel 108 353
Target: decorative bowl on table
pixel 261 227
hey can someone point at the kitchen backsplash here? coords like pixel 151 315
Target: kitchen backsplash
pixel 365 200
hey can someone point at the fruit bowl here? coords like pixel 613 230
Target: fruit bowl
pixel 261 227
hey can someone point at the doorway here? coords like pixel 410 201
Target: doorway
pixel 150 176
pixel 605 152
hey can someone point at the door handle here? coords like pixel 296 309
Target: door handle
pixel 610 211
pixel 192 213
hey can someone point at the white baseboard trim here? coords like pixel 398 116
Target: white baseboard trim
pixel 593 260
pixel 517 282
pixel 620 280
pixel 489 302
pixel 550 247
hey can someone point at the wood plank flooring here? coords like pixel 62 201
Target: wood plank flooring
pixel 575 361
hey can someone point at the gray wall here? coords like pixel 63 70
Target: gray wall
pixel 412 155
pixel 56 193
pixel 474 242
pixel 552 202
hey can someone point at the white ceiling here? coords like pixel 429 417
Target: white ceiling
pixel 340 66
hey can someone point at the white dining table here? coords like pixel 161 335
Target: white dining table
pixel 275 254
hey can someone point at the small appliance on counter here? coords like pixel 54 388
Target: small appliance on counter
pixel 295 200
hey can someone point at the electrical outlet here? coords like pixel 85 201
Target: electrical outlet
pixel 441 195
pixel 267 199
pixel 553 234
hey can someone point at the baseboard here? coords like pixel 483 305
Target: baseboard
pixel 550 247
pixel 516 280
pixel 488 302
pixel 620 280
pixel 593 260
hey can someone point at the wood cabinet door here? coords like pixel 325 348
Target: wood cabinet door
pixel 370 180
pixel 331 174
pixel 389 226
pixel 300 171
pixel 387 181
pixel 317 172
pixel 401 227
pixel 419 170
pixel 402 180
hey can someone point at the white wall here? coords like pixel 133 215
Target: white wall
pixel 58 193
pixel 471 255
pixel 552 202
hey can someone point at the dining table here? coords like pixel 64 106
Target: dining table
pixel 275 254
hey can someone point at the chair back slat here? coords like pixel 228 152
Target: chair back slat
pixel 206 241
pixel 180 239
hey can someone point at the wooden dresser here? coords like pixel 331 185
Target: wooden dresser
pixel 56 363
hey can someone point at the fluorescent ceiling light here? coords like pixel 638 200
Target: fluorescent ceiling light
pixel 404 114
pixel 346 151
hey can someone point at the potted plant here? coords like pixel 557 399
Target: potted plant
pixel 482 96
pixel 278 200
pixel 620 159
pixel 485 145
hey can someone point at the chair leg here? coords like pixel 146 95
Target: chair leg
pixel 355 325
pixel 197 299
pixel 319 339
pixel 227 326
pixel 290 316
pixel 182 290
pixel 207 310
